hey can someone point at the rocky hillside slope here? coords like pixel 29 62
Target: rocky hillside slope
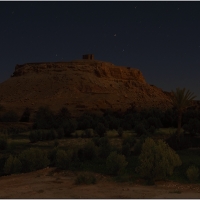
pixel 80 85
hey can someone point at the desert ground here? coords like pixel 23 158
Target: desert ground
pixel 50 183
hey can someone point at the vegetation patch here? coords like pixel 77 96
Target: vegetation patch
pixel 85 178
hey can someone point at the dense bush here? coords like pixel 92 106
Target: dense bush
pixel 190 114
pixel 120 131
pixel 90 151
pixel 3 143
pixel 192 173
pixel 51 135
pixel 193 126
pixel 169 119
pixel 52 156
pixel 60 133
pixel 112 122
pixel 130 140
pixel 154 121
pixel 85 178
pixel 10 116
pixel 86 121
pixel 63 159
pixel 100 129
pixel 88 133
pixel 184 141
pixel 152 129
pixel 128 121
pixel 140 129
pixel 115 163
pixel 96 140
pixel 104 147
pixel 42 135
pixel 26 115
pixel 126 149
pixel 69 127
pixel 44 119
pixel 138 145
pixel 33 159
pixel 12 165
pixel 157 160
pixel 62 116
pixel 34 136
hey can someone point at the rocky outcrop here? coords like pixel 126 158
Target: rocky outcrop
pixel 80 85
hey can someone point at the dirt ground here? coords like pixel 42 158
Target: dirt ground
pixel 48 183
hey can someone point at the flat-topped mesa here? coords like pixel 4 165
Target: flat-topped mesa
pixel 100 69
pixel 84 85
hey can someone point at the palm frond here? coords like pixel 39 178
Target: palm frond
pixel 182 98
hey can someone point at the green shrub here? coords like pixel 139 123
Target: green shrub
pixel 10 116
pixel 96 141
pixel 51 135
pixel 115 163
pixel 62 116
pixel 56 143
pixel 8 165
pixel 85 178
pixel 75 156
pixel 192 173
pixel 152 129
pixel 63 159
pixel 52 156
pixel 129 140
pixel 17 165
pixel 89 151
pixel 33 159
pixel 3 143
pixel 157 160
pixel 140 129
pixel 126 150
pixel 34 136
pixel 104 147
pixel 138 145
pixel 12 165
pixel 69 127
pixel 193 126
pixel 100 129
pixel 60 133
pixel 88 133
pixel 43 135
pixel 120 131
pixel 184 141
pixel 26 115
pixel 44 118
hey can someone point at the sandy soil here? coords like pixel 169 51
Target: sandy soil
pixel 48 183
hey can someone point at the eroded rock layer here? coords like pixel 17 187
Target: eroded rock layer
pixel 80 85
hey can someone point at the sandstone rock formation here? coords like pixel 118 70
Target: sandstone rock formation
pixel 80 85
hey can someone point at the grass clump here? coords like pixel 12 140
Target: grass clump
pixel 85 178
pixel 63 159
pixel 115 163
pixel 12 165
pixel 3 143
pixel 192 173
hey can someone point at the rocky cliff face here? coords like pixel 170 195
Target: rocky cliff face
pixel 81 85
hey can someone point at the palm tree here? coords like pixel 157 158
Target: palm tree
pixel 181 100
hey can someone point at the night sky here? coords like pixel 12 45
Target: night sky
pixel 162 39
